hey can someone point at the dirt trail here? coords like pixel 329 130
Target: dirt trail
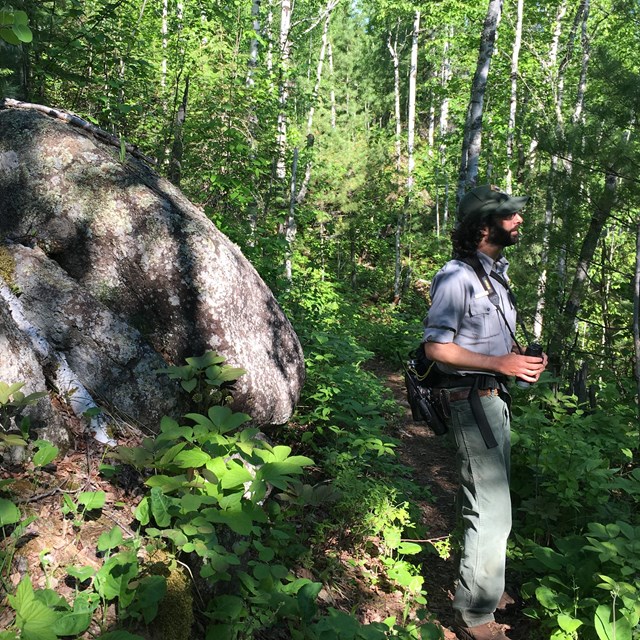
pixel 433 460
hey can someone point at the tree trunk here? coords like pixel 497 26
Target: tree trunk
pixel 395 57
pixel 567 324
pixel 285 51
pixel 636 317
pixel 513 104
pixel 314 99
pixel 411 116
pixel 445 76
pixel 332 96
pixel 472 139
pixel 254 44
pixel 177 149
pixel 290 222
pixel 411 121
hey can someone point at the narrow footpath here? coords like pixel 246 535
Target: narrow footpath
pixel 432 458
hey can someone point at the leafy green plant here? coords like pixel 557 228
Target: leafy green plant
pixel 85 501
pixel 205 379
pixel 42 614
pixel 12 402
pixel 14 26
pixel 210 478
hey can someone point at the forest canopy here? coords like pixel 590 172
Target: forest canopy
pixel 331 141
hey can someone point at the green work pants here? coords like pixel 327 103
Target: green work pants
pixel 484 505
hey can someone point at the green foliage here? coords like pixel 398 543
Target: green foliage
pixel 12 402
pixel 43 615
pixel 14 26
pixel 570 463
pixel 578 491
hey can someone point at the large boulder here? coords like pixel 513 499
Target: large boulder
pixel 109 273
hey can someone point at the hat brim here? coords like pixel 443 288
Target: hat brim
pixel 510 206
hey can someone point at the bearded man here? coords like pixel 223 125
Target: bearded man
pixel 470 334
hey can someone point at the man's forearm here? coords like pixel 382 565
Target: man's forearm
pixel 528 368
pixel 458 357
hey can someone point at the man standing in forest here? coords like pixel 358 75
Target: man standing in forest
pixel 470 334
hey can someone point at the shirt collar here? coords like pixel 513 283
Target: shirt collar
pixel 500 266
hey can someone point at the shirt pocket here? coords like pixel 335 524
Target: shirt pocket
pixel 480 321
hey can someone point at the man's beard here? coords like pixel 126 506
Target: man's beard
pixel 500 237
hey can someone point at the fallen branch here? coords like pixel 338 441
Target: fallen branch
pixel 76 121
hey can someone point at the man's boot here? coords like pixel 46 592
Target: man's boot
pixel 487 631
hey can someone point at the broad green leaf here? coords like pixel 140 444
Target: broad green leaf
pixel 547 598
pixel 607 629
pixel 307 597
pixel 110 539
pixel 160 507
pixel 12 440
pixel 92 499
pixel 81 573
pixel 237 521
pixel 20 17
pixel 113 578
pixel 6 390
pixel 9 513
pixel 409 548
pixel 72 623
pixel 189 385
pixel 34 618
pixel 191 459
pixel 176 536
pixel 143 511
pixel 567 623
pixel 205 360
pixel 235 476
pixel 167 483
pixel 45 454
pixel 170 454
pixel 150 591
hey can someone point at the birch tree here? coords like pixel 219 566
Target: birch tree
pixel 513 102
pixel 411 122
pixel 472 137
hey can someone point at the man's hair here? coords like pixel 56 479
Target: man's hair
pixel 467 234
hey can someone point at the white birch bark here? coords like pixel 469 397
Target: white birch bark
pixel 445 76
pixel 316 88
pixel 557 82
pixel 284 52
pixel 270 37
pixel 254 45
pixel 411 120
pixel 395 57
pixel 332 93
pixel 411 116
pixel 513 103
pixel 290 222
pixel 586 54
pixel 163 32
pixel 472 139
pixel 314 99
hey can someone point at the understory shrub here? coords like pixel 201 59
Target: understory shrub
pixel 577 488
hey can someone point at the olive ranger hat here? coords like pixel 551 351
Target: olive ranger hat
pixel 488 199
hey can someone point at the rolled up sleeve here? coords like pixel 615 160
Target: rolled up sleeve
pixel 449 292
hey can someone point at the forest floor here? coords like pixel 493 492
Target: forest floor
pixel 52 542
pixel 432 459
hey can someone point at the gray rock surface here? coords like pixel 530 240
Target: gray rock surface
pixel 119 274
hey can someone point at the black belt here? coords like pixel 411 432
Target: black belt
pixel 462 394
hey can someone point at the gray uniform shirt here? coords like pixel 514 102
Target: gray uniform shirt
pixel 461 311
